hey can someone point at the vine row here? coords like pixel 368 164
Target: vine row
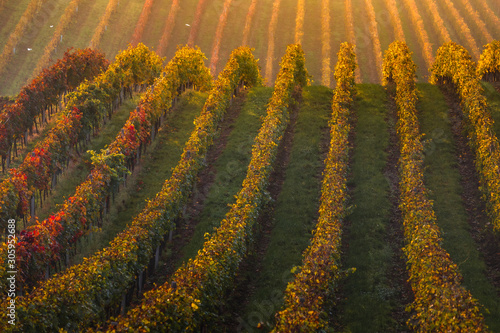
pixel 103 23
pixel 66 19
pixel 18 33
pixel 488 67
pixel 169 26
pixel 85 108
pixel 39 98
pixel 462 27
pixel 418 25
pixel 441 304
pixel 141 23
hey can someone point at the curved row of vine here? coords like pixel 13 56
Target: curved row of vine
pixel 37 99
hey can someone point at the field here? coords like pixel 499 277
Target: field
pixel 302 184
pixel 218 27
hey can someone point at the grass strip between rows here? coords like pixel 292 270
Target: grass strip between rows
pixel 45 242
pixel 288 222
pixel 443 180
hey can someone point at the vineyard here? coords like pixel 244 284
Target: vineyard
pixel 250 166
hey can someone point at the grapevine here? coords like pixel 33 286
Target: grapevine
pixel 299 21
pixel 248 22
pixel 270 40
pixel 438 21
pixel 85 107
pixel 325 43
pixel 218 36
pixel 61 27
pixel 350 30
pixel 377 49
pixel 477 19
pixel 488 67
pixel 15 37
pixel 418 24
pixel 463 27
pixel 103 23
pixel 169 25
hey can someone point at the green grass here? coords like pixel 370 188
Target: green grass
pixel 231 168
pixel 443 180
pixel 74 176
pixel 155 167
pixel 37 35
pixel 369 296
pixel 295 212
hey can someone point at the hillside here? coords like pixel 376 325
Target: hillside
pixel 219 26
pixel 301 184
